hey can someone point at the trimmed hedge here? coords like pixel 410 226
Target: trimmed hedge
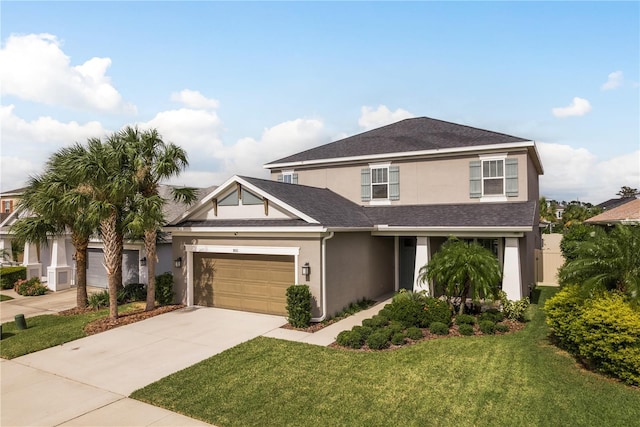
pixel 164 289
pixel 10 275
pixel 602 331
pixel 299 305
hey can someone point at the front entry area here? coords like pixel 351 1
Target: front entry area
pixel 246 282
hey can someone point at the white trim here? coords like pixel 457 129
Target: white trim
pixel 453 229
pixel 380 202
pixel 184 231
pixel 379 165
pixel 491 158
pixel 396 257
pixel 373 157
pixel 205 200
pixel 493 198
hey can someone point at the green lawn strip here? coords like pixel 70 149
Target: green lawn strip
pixel 5 297
pixel 48 330
pixel 511 380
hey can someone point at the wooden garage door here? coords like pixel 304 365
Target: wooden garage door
pixel 255 283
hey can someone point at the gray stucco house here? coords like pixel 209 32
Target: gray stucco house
pixel 359 217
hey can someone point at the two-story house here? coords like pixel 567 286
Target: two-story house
pixel 360 216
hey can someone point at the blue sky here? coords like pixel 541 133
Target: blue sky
pixel 240 84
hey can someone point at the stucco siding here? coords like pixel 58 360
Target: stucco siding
pixel 358 266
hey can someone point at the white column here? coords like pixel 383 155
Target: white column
pixel 422 257
pixel 59 273
pixel 396 255
pixel 5 245
pixel 34 267
pixel 511 279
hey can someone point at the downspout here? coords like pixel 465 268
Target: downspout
pixel 324 279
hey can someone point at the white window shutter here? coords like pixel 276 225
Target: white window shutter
pixel 365 184
pixel 294 178
pixel 511 175
pixel 394 182
pixel 475 179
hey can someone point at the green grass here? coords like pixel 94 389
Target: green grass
pixel 5 297
pixel 512 380
pixel 48 330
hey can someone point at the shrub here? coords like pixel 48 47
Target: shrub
pixel 135 292
pixel 10 275
pixel 164 289
pixel 439 328
pixel 351 339
pixel 364 331
pixel 487 327
pixel 502 328
pixel 395 326
pixel 397 338
pixel 414 333
pixel 607 335
pixel 299 305
pixel 465 319
pixel 408 311
pixel 379 321
pixel 436 310
pixel 99 299
pixel 492 314
pixel 378 340
pixel 465 329
pixel 30 288
pixel 514 310
pixel 562 310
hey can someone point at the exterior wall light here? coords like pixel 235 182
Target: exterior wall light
pixel 306 270
pixel 143 261
pixel 178 262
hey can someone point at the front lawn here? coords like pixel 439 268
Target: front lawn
pixel 510 380
pixel 49 330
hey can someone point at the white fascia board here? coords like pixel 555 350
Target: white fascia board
pixel 451 230
pixel 206 199
pixel 254 250
pixel 278 202
pixel 404 154
pixel 184 231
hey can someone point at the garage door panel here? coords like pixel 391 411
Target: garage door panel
pixel 255 283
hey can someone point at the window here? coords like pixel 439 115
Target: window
pixel 492 177
pixel 288 177
pixel 6 206
pixel 380 183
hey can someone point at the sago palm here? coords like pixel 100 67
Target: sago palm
pixel 610 261
pixel 460 268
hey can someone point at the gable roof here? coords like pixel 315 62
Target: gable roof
pixel 173 209
pixel 628 213
pixel 421 134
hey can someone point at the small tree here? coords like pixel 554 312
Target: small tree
pixel 607 261
pixel 627 192
pixel 459 268
pixel 299 305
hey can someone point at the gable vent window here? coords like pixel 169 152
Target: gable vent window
pixel 380 183
pixel 288 177
pixel 493 177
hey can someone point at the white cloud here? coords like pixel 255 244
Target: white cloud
pixel 615 80
pixel 35 68
pixel 16 171
pixel 194 99
pixel 578 107
pixel 575 173
pixel 371 119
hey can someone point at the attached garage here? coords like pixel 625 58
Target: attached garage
pixel 247 282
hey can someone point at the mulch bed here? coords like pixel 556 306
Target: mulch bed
pixel 314 327
pixel 104 324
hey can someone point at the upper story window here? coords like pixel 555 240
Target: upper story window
pixel 493 178
pixel 6 206
pixel 380 183
pixel 288 177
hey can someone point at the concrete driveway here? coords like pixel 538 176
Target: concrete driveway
pixel 85 382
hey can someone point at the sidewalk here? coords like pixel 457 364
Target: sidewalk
pixel 49 303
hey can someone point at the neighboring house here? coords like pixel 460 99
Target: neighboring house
pixel 627 213
pixel 360 216
pixel 613 203
pixel 9 201
pixel 55 263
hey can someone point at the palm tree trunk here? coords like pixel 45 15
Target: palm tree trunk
pixel 118 275
pixel 111 253
pixel 81 244
pixel 150 236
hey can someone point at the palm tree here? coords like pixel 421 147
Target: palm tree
pixel 103 172
pixel 45 201
pixel 609 261
pixel 460 267
pixel 152 161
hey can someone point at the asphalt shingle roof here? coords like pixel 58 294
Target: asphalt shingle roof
pixel 630 211
pixel 417 134
pixel 508 214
